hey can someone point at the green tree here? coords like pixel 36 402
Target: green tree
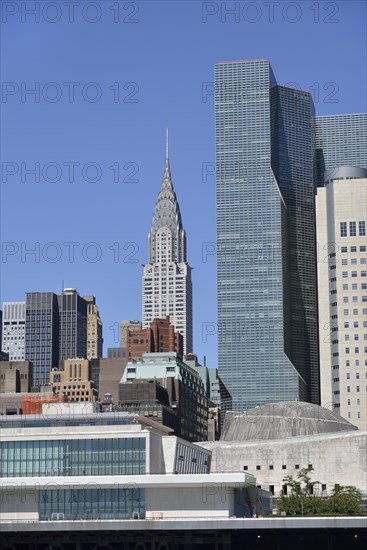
pixel 345 500
pixel 301 500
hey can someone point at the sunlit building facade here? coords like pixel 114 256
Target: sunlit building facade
pixel 13 330
pixel 267 316
pixel 341 232
pixel 167 286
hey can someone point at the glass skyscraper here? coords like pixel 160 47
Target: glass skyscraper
pixel 42 334
pixel 267 306
pixel 73 325
pixel 55 329
pixel 340 140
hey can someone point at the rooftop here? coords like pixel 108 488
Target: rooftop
pixel 282 420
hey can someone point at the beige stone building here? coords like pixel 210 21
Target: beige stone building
pixel 127 327
pixel 15 376
pixel 342 292
pixel 74 381
pixel 94 334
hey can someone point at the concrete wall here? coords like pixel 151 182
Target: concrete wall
pixel 58 410
pixel 213 500
pixel 110 373
pixel 10 402
pixel 155 463
pixel 169 445
pixel 194 502
pixel 18 505
pixel 339 458
pixel 15 376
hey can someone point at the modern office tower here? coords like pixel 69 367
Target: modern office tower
pixel 167 287
pixel 340 140
pixel 341 208
pixel 94 337
pixel 13 331
pixel 73 327
pixel 267 306
pixel 42 335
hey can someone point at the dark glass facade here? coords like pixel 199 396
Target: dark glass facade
pixel 265 237
pixel 191 461
pixel 92 503
pixel 42 335
pixel 56 329
pixel 73 457
pixel 292 162
pixel 73 326
pixel 340 140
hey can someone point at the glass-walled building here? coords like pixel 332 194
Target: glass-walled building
pixel 74 464
pixel 42 334
pixel 340 140
pixel 267 316
pixel 73 328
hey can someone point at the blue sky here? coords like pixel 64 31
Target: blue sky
pixel 105 93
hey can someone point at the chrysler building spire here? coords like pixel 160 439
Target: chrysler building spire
pixel 167 214
pixel 167 287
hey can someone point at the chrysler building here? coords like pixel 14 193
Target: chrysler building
pixel 167 286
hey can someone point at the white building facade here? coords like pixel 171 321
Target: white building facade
pixel 13 337
pixel 67 465
pixel 167 286
pixel 341 213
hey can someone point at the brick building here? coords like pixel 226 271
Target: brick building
pixel 159 337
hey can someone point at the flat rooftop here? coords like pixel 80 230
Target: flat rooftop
pixel 178 524
pixel 71 419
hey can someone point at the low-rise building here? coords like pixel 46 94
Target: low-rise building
pixel 74 380
pixel 106 374
pixel 185 389
pixel 89 466
pixel 279 439
pixel 15 376
pixel 149 399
